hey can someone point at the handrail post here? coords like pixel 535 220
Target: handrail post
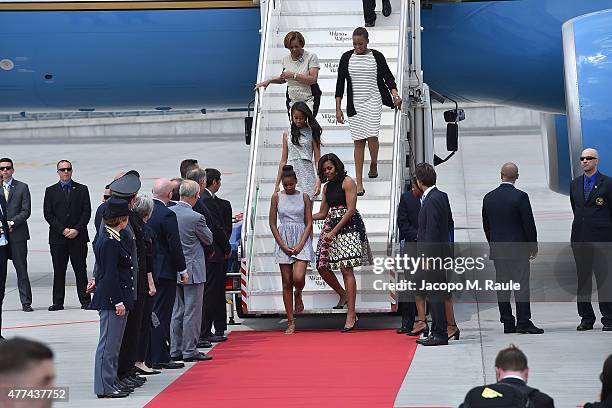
pixel 399 122
pixel 249 222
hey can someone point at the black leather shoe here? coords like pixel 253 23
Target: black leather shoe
pixel 136 377
pixel 27 308
pixel 386 8
pixel 55 307
pixel 531 329
pixel 509 329
pixel 85 306
pixel 434 341
pixel 124 386
pixel 167 366
pixel 177 358
pixel 215 339
pixel 198 357
pixel 584 326
pixel 220 334
pixel 204 344
pixel 116 394
pixel 369 24
pixel 607 328
pixel 403 330
pixel 131 383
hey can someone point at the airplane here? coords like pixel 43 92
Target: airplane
pixel 143 55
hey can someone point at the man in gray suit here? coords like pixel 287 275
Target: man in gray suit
pixel 187 312
pixel 18 210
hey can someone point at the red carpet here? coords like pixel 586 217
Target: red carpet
pixel 310 368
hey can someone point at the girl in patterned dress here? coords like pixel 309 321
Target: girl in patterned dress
pixel 293 239
pixel 343 243
pixel 299 149
pixel 370 86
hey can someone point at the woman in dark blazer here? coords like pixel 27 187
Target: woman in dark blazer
pixel 113 298
pixel 370 86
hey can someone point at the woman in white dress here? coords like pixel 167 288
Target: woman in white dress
pixel 293 239
pixel 299 147
pixel 370 86
pixel 300 72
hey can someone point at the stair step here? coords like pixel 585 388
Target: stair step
pixel 326 119
pixel 323 19
pixel 332 52
pixel 328 66
pixel 269 169
pixel 336 7
pixel 334 136
pixel 343 150
pixel 344 36
pixel 274 100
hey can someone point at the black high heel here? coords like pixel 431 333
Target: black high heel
pixel 424 330
pixel 348 329
pixel 456 334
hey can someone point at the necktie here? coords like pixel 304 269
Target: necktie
pixel 6 191
pixel 587 189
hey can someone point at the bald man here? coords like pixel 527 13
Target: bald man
pixel 169 266
pixel 590 197
pixel 508 223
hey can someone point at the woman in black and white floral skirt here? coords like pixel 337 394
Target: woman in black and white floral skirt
pixel 343 243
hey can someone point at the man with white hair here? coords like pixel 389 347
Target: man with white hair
pixel 187 312
pixel 169 265
pixel 591 200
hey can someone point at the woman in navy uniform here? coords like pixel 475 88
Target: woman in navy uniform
pixel 114 297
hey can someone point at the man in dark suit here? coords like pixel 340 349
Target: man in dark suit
pixel 433 241
pixel 221 244
pixel 4 253
pixel 67 209
pixel 169 266
pixel 511 232
pixel 408 225
pixel 591 200
pixel 226 214
pixel 511 373
pixel 18 210
pixel 216 266
pixel 369 15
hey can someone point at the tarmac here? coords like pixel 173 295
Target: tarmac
pixel 564 363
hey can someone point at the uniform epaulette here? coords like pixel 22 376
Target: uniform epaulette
pixel 113 234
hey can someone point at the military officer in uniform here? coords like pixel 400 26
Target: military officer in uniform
pixel 113 298
pixel 591 200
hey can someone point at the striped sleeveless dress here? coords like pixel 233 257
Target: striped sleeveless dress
pixel 366 97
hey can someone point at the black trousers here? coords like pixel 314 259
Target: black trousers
pixel 593 258
pixel 19 254
pixel 3 262
pixel 518 271
pixel 76 251
pixel 145 330
pixel 163 302
pixel 131 339
pixel 213 307
pixel 406 304
pixel 369 15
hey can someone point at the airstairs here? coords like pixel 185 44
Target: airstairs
pixel 327 27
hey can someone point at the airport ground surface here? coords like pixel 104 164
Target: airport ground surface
pixel 564 363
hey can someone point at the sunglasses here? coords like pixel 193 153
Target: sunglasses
pixel 6 168
pixel 589 158
pixel 65 169
pixel 106 196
